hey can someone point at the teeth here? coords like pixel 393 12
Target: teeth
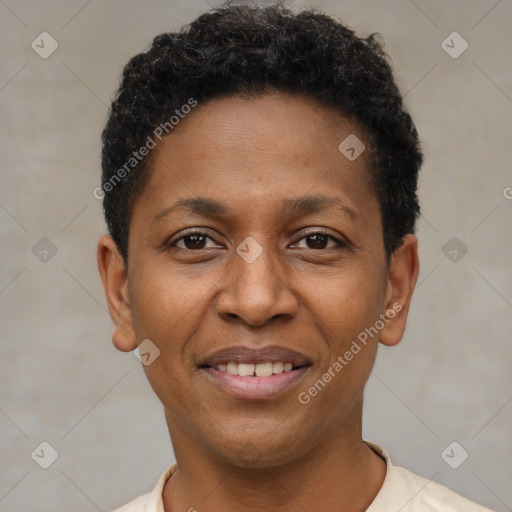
pixel 264 370
pixel 257 370
pixel 277 367
pixel 245 370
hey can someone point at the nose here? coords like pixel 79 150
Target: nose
pixel 256 292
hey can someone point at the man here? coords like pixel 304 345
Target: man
pixel 259 181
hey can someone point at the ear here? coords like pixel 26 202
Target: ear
pixel 402 276
pixel 115 283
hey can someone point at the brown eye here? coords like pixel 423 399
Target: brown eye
pixel 317 241
pixel 194 241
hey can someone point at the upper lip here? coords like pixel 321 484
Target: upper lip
pixel 253 355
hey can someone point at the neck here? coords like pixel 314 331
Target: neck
pixel 341 474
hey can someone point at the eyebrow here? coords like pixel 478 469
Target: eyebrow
pixel 313 204
pixel 299 206
pixel 198 205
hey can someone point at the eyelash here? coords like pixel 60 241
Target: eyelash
pixel 339 243
pixel 191 233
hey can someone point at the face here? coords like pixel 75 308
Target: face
pixel 256 259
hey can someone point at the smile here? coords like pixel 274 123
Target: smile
pixel 255 373
pixel 255 370
pixel 243 382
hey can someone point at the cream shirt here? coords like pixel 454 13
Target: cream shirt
pixel 401 491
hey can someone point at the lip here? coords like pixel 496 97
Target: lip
pixel 251 355
pixel 255 388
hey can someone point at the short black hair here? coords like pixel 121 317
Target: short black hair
pixel 243 49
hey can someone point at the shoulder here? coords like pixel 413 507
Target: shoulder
pixel 405 491
pixel 153 501
pixel 136 505
pixel 428 496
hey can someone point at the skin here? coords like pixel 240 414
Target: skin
pixel 253 155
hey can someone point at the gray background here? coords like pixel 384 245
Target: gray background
pixel 61 379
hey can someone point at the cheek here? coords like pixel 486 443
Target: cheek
pixel 167 302
pixel 168 307
pixel 167 310
pixel 344 312
pixel 347 304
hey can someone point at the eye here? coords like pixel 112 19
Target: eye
pixel 194 241
pixel 318 241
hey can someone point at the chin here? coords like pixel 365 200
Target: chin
pixel 261 452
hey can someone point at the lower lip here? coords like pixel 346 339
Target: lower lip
pixel 255 388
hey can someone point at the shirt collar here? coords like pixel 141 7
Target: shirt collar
pixel 155 501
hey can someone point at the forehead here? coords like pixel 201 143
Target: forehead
pixel 259 149
pixel 263 124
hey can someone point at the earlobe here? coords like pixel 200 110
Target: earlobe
pixel 115 283
pixel 402 277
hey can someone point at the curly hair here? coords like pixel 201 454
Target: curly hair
pixel 252 50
